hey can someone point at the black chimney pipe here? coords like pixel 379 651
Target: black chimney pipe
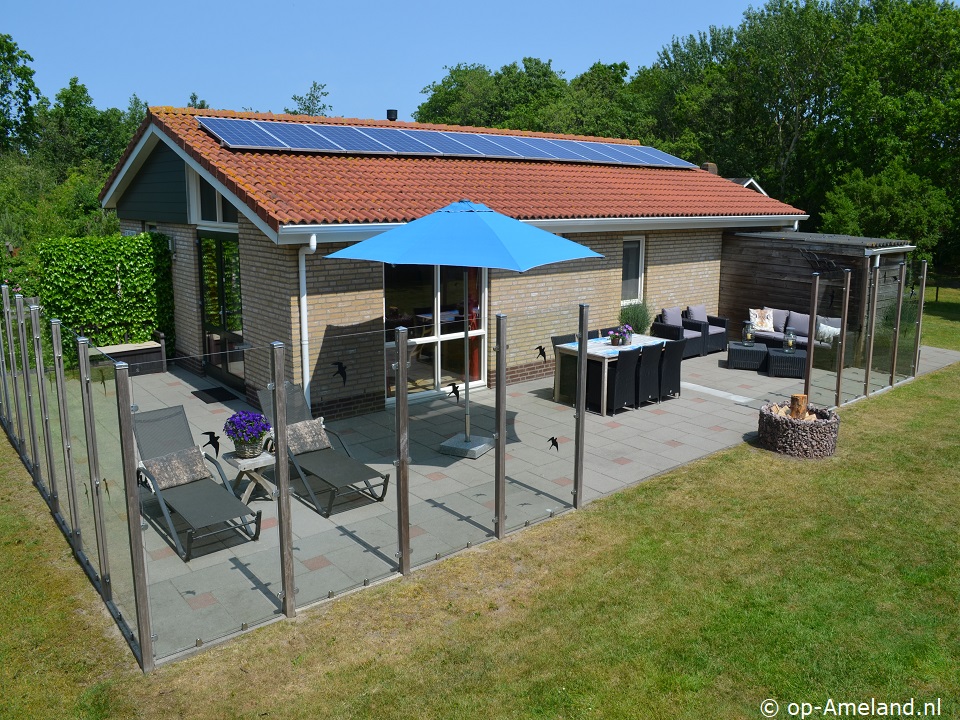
pixel 392 115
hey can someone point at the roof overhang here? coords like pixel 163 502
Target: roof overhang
pixel 868 252
pixel 299 234
pixel 138 156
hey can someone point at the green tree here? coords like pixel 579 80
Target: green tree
pixel 597 102
pixel 523 94
pixel 895 203
pixel 465 96
pixel 196 102
pixel 312 103
pixel 17 94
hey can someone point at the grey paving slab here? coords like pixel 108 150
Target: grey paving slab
pixel 451 500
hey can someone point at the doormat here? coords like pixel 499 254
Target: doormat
pixel 215 395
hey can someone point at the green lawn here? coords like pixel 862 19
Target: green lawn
pixel 698 594
pixel 941 319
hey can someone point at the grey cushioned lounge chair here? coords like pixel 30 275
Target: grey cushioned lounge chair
pixel 319 467
pixel 172 466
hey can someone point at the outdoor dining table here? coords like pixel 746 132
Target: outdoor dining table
pixel 600 350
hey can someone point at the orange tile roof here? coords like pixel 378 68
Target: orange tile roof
pixel 289 188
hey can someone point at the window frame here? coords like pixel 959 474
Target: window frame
pixel 641 242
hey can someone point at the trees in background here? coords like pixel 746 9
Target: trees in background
pixel 848 109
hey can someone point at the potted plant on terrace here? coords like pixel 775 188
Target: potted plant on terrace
pixel 247 430
pixel 622 335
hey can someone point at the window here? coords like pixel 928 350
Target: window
pixel 631 287
pixel 209 207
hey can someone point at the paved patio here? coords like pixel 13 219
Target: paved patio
pixel 232 584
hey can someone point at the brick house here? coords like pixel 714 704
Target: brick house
pixel 251 221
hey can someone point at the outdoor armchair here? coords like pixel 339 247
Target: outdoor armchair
pixel 172 466
pixel 714 327
pixel 671 325
pixel 318 466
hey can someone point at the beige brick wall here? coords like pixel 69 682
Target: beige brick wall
pixel 345 322
pixel 186 289
pixel 683 268
pixel 544 302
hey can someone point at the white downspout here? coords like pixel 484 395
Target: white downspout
pixel 304 330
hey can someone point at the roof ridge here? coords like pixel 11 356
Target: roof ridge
pixel 368 122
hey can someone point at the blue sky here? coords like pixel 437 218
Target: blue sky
pixel 371 55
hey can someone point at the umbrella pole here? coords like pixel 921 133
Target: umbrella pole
pixel 466 354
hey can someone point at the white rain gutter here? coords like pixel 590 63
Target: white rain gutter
pixel 308 249
pixel 355 232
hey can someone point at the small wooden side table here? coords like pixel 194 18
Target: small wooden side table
pixel 250 468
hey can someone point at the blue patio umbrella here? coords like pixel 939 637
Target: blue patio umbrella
pixel 467 234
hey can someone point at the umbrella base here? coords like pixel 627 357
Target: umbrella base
pixel 459 446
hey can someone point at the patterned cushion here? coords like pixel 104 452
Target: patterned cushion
pixel 307 436
pixel 179 468
pixel 779 318
pixel 762 319
pixel 672 316
pixel 697 312
pixel 800 322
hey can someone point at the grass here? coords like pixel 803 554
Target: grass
pixel 941 319
pixel 698 594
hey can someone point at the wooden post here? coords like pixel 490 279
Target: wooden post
pixel 798 405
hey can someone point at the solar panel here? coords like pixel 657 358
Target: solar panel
pixel 280 135
pixel 589 150
pixel 298 136
pixel 240 133
pixel 562 152
pixel 399 141
pixel 523 147
pixel 444 142
pixel 351 139
pixel 484 144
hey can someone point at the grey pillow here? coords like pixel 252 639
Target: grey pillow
pixel 177 468
pixel 697 312
pixel 672 316
pixel 779 319
pixel 799 322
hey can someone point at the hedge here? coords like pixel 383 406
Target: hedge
pixel 114 289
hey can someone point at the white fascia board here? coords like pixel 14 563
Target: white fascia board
pixel 133 163
pixel 867 252
pixel 299 234
pixel 139 155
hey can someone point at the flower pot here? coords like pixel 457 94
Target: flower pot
pixel 614 339
pixel 248 450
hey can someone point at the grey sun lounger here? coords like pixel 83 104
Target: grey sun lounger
pixel 173 467
pixel 318 466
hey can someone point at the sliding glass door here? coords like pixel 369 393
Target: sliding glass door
pixel 430 301
pixel 222 306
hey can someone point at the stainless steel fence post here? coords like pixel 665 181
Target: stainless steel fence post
pixel 128 456
pixel 811 331
pixel 65 437
pixel 14 374
pixel 5 416
pixel 33 459
pixel 842 350
pixel 53 496
pixel 901 281
pixel 580 411
pixel 500 458
pixel 93 463
pixel 920 301
pixel 288 579
pixel 403 452
pixel 871 328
